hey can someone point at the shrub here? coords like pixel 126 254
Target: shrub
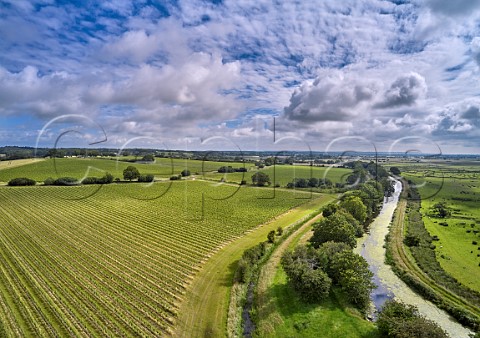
pixel 146 178
pixel 174 178
pixel 411 240
pixel 49 181
pixel 399 320
pixel 21 181
pixel 185 172
pixel 271 236
pixel 90 180
pixel 63 181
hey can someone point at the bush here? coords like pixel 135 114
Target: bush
pixel 21 181
pixel 411 240
pixel 403 321
pixel 106 179
pixel 271 236
pixel 146 178
pixel 49 181
pixel 185 172
pixel 64 181
pixel 174 178
pixel 90 180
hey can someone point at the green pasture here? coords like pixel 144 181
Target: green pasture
pixel 283 174
pixel 460 190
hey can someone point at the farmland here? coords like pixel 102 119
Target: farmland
pixel 103 265
pixel 458 186
pixel 80 167
pixel 283 174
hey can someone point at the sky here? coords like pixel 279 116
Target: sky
pixel 318 75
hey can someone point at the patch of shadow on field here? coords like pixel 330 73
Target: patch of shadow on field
pixel 232 267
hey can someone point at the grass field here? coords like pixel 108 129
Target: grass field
pixel 81 167
pixel 458 186
pixel 112 264
pixel 283 174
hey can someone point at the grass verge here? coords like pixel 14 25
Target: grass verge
pixel 204 311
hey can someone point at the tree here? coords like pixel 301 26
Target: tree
pixel 403 321
pixel 260 179
pixel 271 236
pixel 305 271
pixel 130 173
pixel 279 231
pixel 334 228
pixel 330 209
pixel 441 210
pixel 350 271
pixel 146 178
pixel 185 172
pixel 395 171
pixel 148 158
pixel 356 208
pixel 313 182
pixel 350 219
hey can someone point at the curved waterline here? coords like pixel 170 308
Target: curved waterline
pixel 371 247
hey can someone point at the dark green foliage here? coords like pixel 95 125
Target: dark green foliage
pixel 21 181
pixel 334 228
pixel 65 181
pixel 174 178
pixel 329 249
pixel 146 178
pixel 279 231
pixel 356 208
pixel 130 173
pixel 185 173
pixel 248 261
pixel 49 181
pixel 305 270
pixel 106 179
pixel 395 171
pixel 271 236
pixel 411 240
pixel 350 271
pixel 403 321
pixel 440 209
pixel 148 158
pixel 313 182
pixel 260 179
pixel 89 180
pixel 330 209
pixel 229 169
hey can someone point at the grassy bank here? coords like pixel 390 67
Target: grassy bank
pixel 419 268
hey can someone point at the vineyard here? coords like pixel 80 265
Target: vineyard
pixel 116 263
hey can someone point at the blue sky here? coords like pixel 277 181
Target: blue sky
pixel 174 74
